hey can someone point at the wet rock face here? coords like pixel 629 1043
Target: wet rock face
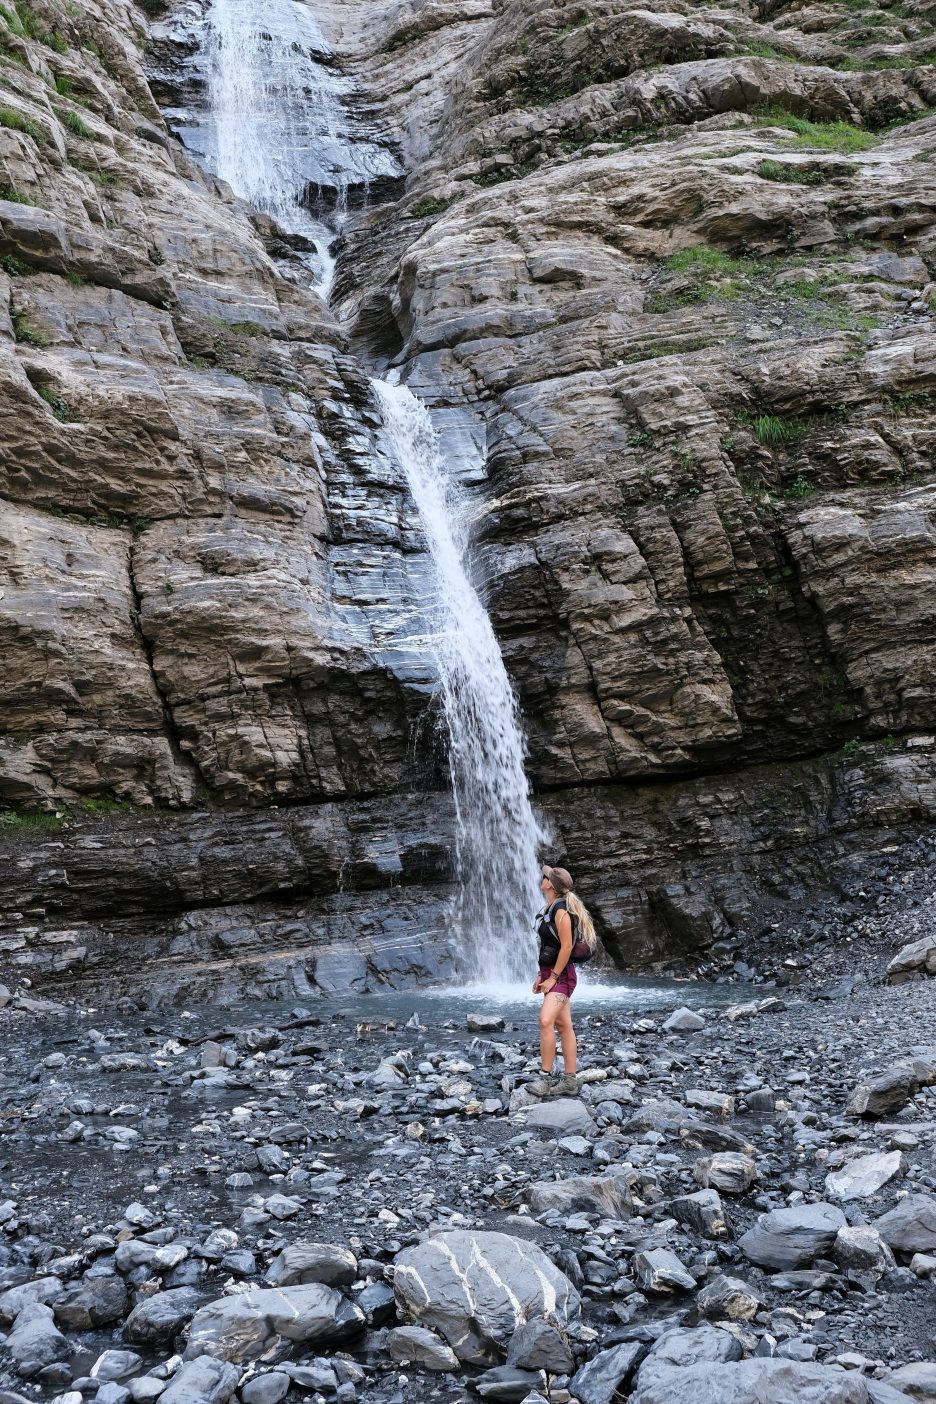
pixel 696 337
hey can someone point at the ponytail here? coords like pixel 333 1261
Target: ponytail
pixel 586 926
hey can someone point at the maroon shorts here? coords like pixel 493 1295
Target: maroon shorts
pixel 566 982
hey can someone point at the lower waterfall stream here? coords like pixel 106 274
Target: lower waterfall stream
pixel 497 835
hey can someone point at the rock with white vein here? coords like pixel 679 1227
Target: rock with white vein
pixel 475 1289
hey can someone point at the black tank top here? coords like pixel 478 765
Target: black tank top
pixel 550 945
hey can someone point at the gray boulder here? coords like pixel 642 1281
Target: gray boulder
pixel 94 1302
pixel 508 1384
pixel 41 1289
pixel 484 1023
pixel 682 1347
pixel 861 1249
pixel 702 1211
pixel 158 1319
pixel 313 1262
pixel 270 1388
pixel 538 1346
pixel 266 1323
pixel 910 1227
pixel 885 1094
pixel 609 1371
pixel 35 1341
pixel 659 1270
pixel 603 1194
pixel 728 1171
pixel 683 1020
pixel 476 1289
pixel 919 958
pixel 202 1382
pixel 115 1365
pixel 562 1116
pixel 792 1238
pixel 714 1103
pixel 865 1175
pixel 414 1345
pixel 758 1381
pixel 729 1299
pixel 917 1379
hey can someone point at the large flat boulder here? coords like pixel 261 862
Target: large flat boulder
pixel 268 1322
pixel 919 958
pixel 766 1381
pixel 793 1237
pixel 604 1194
pixel 910 1227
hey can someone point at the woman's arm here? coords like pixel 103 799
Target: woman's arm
pixel 564 929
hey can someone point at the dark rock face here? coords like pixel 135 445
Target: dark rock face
pixel 703 372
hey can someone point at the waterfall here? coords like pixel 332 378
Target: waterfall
pixel 497 836
pixel 278 131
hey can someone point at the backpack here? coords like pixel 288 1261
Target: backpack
pixel 581 950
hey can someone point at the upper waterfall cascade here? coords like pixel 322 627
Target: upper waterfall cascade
pixel 279 133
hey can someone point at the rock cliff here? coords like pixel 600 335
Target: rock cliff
pixel 674 267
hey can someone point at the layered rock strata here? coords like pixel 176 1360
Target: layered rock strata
pixel 675 267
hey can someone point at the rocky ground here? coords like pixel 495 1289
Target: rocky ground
pixel 361 1200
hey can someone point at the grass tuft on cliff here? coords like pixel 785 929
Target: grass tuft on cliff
pixel 16 122
pixel 774 432
pixel 702 260
pixel 824 136
pixel 59 407
pixel 25 332
pixel 786 174
pixel 16 197
pixel 11 820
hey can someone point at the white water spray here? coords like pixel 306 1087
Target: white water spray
pixel 496 830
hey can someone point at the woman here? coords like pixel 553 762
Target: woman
pixel 557 978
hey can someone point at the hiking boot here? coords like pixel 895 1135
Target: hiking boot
pixel 568 1086
pixel 542 1086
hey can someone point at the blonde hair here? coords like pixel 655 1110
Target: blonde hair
pixel 576 908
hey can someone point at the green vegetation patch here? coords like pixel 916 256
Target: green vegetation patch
pixel 702 260
pixel 773 431
pixel 79 127
pixel 786 174
pixel 59 407
pixel 826 136
pixel 23 22
pixel 16 122
pixel 681 347
pixel 17 197
pixel 24 331
pixel 10 821
pixel 759 49
pixel 107 179
pixel 424 209
pixel 712 274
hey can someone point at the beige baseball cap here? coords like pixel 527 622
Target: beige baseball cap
pixel 560 878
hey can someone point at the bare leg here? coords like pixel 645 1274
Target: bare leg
pixel 567 1035
pixel 549 1013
